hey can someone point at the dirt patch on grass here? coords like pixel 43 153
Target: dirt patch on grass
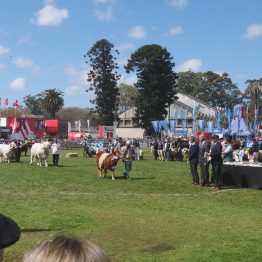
pixel 17 194
pixel 159 249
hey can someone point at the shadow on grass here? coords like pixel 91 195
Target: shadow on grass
pixel 28 230
pixel 135 178
pixel 123 178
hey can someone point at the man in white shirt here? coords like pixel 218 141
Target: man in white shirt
pixel 55 147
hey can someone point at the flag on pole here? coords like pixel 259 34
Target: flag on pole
pixel 175 116
pixel 16 103
pixel 181 113
pixel 6 102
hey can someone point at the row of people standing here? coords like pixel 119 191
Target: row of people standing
pixel 168 149
pixel 204 153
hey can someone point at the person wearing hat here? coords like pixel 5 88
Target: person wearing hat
pixel 9 233
pixel 216 161
pixel 193 156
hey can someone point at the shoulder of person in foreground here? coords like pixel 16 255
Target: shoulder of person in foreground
pixel 61 248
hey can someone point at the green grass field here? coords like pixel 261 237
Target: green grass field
pixel 157 215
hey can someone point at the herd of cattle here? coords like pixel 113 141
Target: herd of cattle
pixel 39 152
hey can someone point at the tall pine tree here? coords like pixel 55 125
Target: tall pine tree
pixel 156 82
pixel 103 79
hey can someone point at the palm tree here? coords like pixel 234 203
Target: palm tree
pixel 52 101
pixel 254 88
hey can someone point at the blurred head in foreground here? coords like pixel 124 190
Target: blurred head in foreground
pixel 62 248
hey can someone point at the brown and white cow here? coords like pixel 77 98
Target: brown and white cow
pixel 105 161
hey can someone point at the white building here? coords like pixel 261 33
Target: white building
pixel 185 103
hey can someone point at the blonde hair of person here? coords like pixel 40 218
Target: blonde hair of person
pixel 66 249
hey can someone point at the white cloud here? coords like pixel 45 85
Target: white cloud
pixel 18 84
pixel 137 32
pixel 175 31
pixel 124 47
pixel 24 40
pixel 253 31
pixel 73 90
pixel 70 70
pixel 50 16
pixel 77 78
pixel 193 65
pixel 3 50
pixel 106 15
pixel 2 67
pixel 23 62
pixel 122 61
pixel 179 4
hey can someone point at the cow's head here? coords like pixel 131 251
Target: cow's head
pixel 47 145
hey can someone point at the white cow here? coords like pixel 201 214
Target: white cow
pixel 7 151
pixel 41 152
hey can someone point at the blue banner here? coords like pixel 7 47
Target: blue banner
pixel 172 126
pixel 164 125
pixel 201 125
pixel 193 127
pixel 210 127
pixel 155 125
pixel 181 132
pixel 184 124
pixel 218 119
pixel 229 116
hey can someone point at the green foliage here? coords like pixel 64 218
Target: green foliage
pixel 52 101
pixel 155 82
pixel 11 111
pixel 103 79
pixel 157 215
pixel 34 104
pixel 214 89
pixel 75 113
pixel 127 96
pixel 253 96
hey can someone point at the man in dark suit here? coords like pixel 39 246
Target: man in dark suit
pixel 193 159
pixel 204 150
pixel 217 162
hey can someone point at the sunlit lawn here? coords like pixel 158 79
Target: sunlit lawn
pixel 157 215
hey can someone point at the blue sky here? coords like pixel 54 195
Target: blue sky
pixel 42 43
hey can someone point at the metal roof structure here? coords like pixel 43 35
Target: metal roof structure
pixel 183 102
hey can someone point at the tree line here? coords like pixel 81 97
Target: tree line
pixel 156 87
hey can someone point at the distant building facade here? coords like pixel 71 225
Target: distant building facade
pixel 181 110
